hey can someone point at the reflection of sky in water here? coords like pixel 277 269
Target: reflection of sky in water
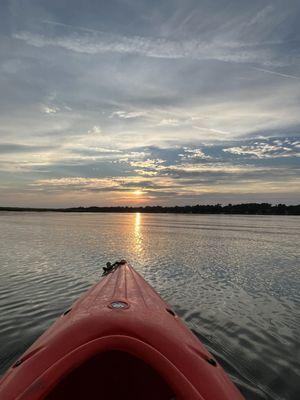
pixel 234 279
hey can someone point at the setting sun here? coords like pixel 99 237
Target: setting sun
pixel 138 192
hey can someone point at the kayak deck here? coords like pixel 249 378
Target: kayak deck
pixel 119 340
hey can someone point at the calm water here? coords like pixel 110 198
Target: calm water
pixel 235 280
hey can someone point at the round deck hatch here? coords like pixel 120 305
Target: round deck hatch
pixel 118 305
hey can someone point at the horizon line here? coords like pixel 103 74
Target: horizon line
pixel 239 208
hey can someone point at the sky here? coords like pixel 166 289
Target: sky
pixel 135 102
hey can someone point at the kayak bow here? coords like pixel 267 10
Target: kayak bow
pixel 120 340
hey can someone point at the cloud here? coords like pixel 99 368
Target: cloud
pixel 277 149
pixel 194 154
pixel 50 110
pixel 89 41
pixel 139 176
pixel 171 122
pixel 128 184
pixel 276 73
pixel 216 170
pixel 95 130
pixel 180 180
pixel 95 152
pixel 261 15
pixel 11 148
pixel 126 115
pixel 148 163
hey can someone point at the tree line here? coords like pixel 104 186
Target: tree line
pixel 244 208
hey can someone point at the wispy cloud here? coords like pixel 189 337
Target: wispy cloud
pixel 15 148
pixel 267 71
pixel 169 122
pixel 261 15
pixel 96 42
pixel 127 114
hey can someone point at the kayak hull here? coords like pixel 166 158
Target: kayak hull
pixel 120 318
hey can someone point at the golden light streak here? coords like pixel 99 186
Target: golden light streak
pixel 137 233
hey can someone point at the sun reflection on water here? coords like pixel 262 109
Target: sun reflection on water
pixel 137 233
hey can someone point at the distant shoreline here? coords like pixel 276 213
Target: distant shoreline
pixel 245 208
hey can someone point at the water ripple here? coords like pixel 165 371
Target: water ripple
pixel 233 279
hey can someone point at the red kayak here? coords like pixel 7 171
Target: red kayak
pixel 120 340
